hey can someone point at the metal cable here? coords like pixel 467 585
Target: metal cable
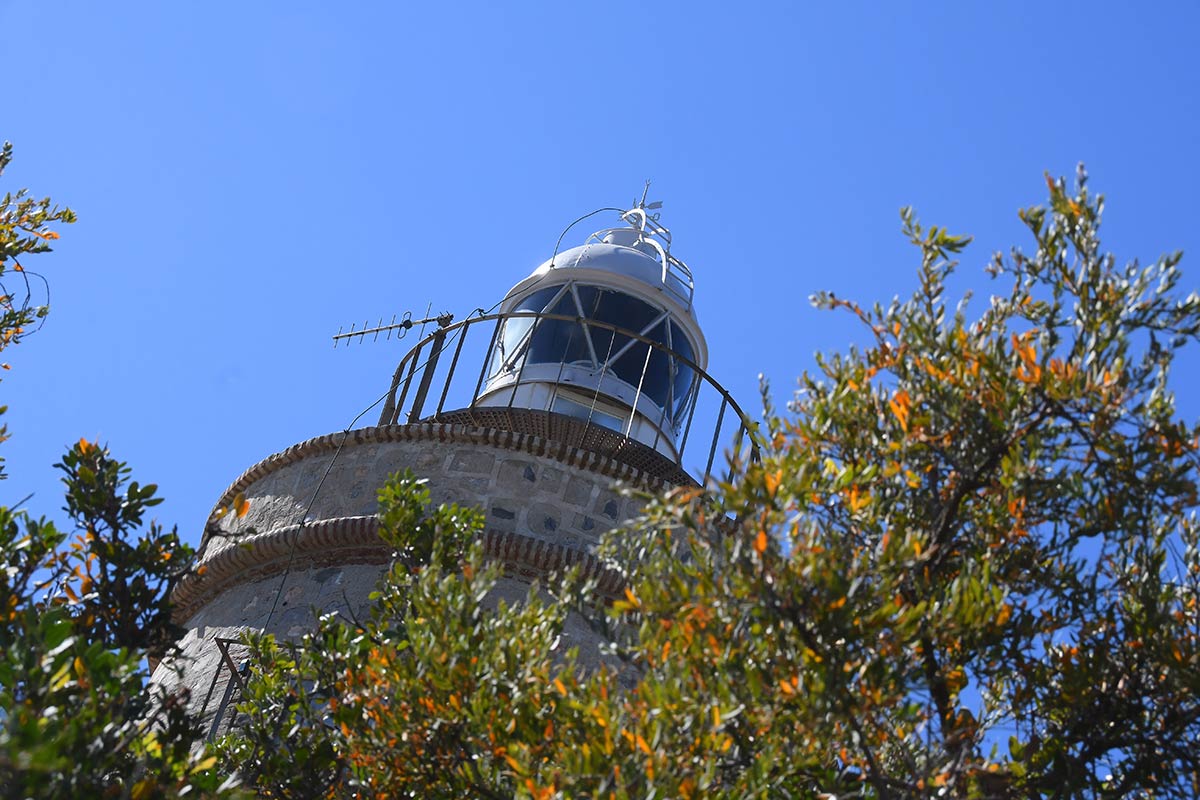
pixel 562 235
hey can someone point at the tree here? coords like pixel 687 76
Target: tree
pixel 84 611
pixel 24 230
pixel 966 565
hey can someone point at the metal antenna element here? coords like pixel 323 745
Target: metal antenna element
pixel 403 325
pixel 643 204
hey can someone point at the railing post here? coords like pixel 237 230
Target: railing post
pixel 487 358
pixel 712 450
pixel 439 341
pixel 412 367
pixel 462 338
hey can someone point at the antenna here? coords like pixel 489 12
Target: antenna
pixel 403 325
pixel 643 204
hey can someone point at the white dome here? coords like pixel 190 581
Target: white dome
pixel 624 264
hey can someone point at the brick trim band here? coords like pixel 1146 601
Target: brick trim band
pixel 355 540
pixel 446 433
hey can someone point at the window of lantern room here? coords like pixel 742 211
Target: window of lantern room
pixel 664 379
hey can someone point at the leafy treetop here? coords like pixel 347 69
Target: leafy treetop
pixel 965 566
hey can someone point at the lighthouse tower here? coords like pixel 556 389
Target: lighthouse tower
pixel 590 376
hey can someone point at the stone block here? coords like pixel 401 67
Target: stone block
pixel 544 518
pixel 550 479
pixel 476 462
pixel 579 491
pixel 432 459
pixel 608 505
pixel 516 475
pixel 502 515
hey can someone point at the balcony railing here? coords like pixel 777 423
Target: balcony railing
pixel 452 366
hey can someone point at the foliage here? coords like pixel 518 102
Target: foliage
pixel 434 696
pixel 24 230
pixel 83 611
pixel 966 565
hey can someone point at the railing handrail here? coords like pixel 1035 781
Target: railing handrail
pixel 441 337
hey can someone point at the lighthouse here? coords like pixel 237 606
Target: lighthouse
pixel 589 376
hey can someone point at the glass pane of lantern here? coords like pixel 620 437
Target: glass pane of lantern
pixel 684 374
pixel 513 336
pixel 558 341
pixel 629 367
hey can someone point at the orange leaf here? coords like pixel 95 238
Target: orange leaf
pixel 899 405
pixel 772 481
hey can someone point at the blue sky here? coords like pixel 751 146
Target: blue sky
pixel 251 176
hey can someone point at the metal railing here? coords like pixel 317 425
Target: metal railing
pixel 434 369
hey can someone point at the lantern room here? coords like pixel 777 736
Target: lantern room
pixel 605 332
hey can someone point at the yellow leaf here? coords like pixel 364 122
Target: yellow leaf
pixel 836 604
pixel 785 686
pixel 760 542
pixel 562 689
pixel 80 668
pixel 207 763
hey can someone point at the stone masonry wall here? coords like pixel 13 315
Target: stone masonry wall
pixel 309 543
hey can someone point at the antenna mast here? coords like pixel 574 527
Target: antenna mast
pixel 406 322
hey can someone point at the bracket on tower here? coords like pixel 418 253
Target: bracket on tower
pixel 403 325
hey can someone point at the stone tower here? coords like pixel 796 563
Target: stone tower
pixel 590 375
